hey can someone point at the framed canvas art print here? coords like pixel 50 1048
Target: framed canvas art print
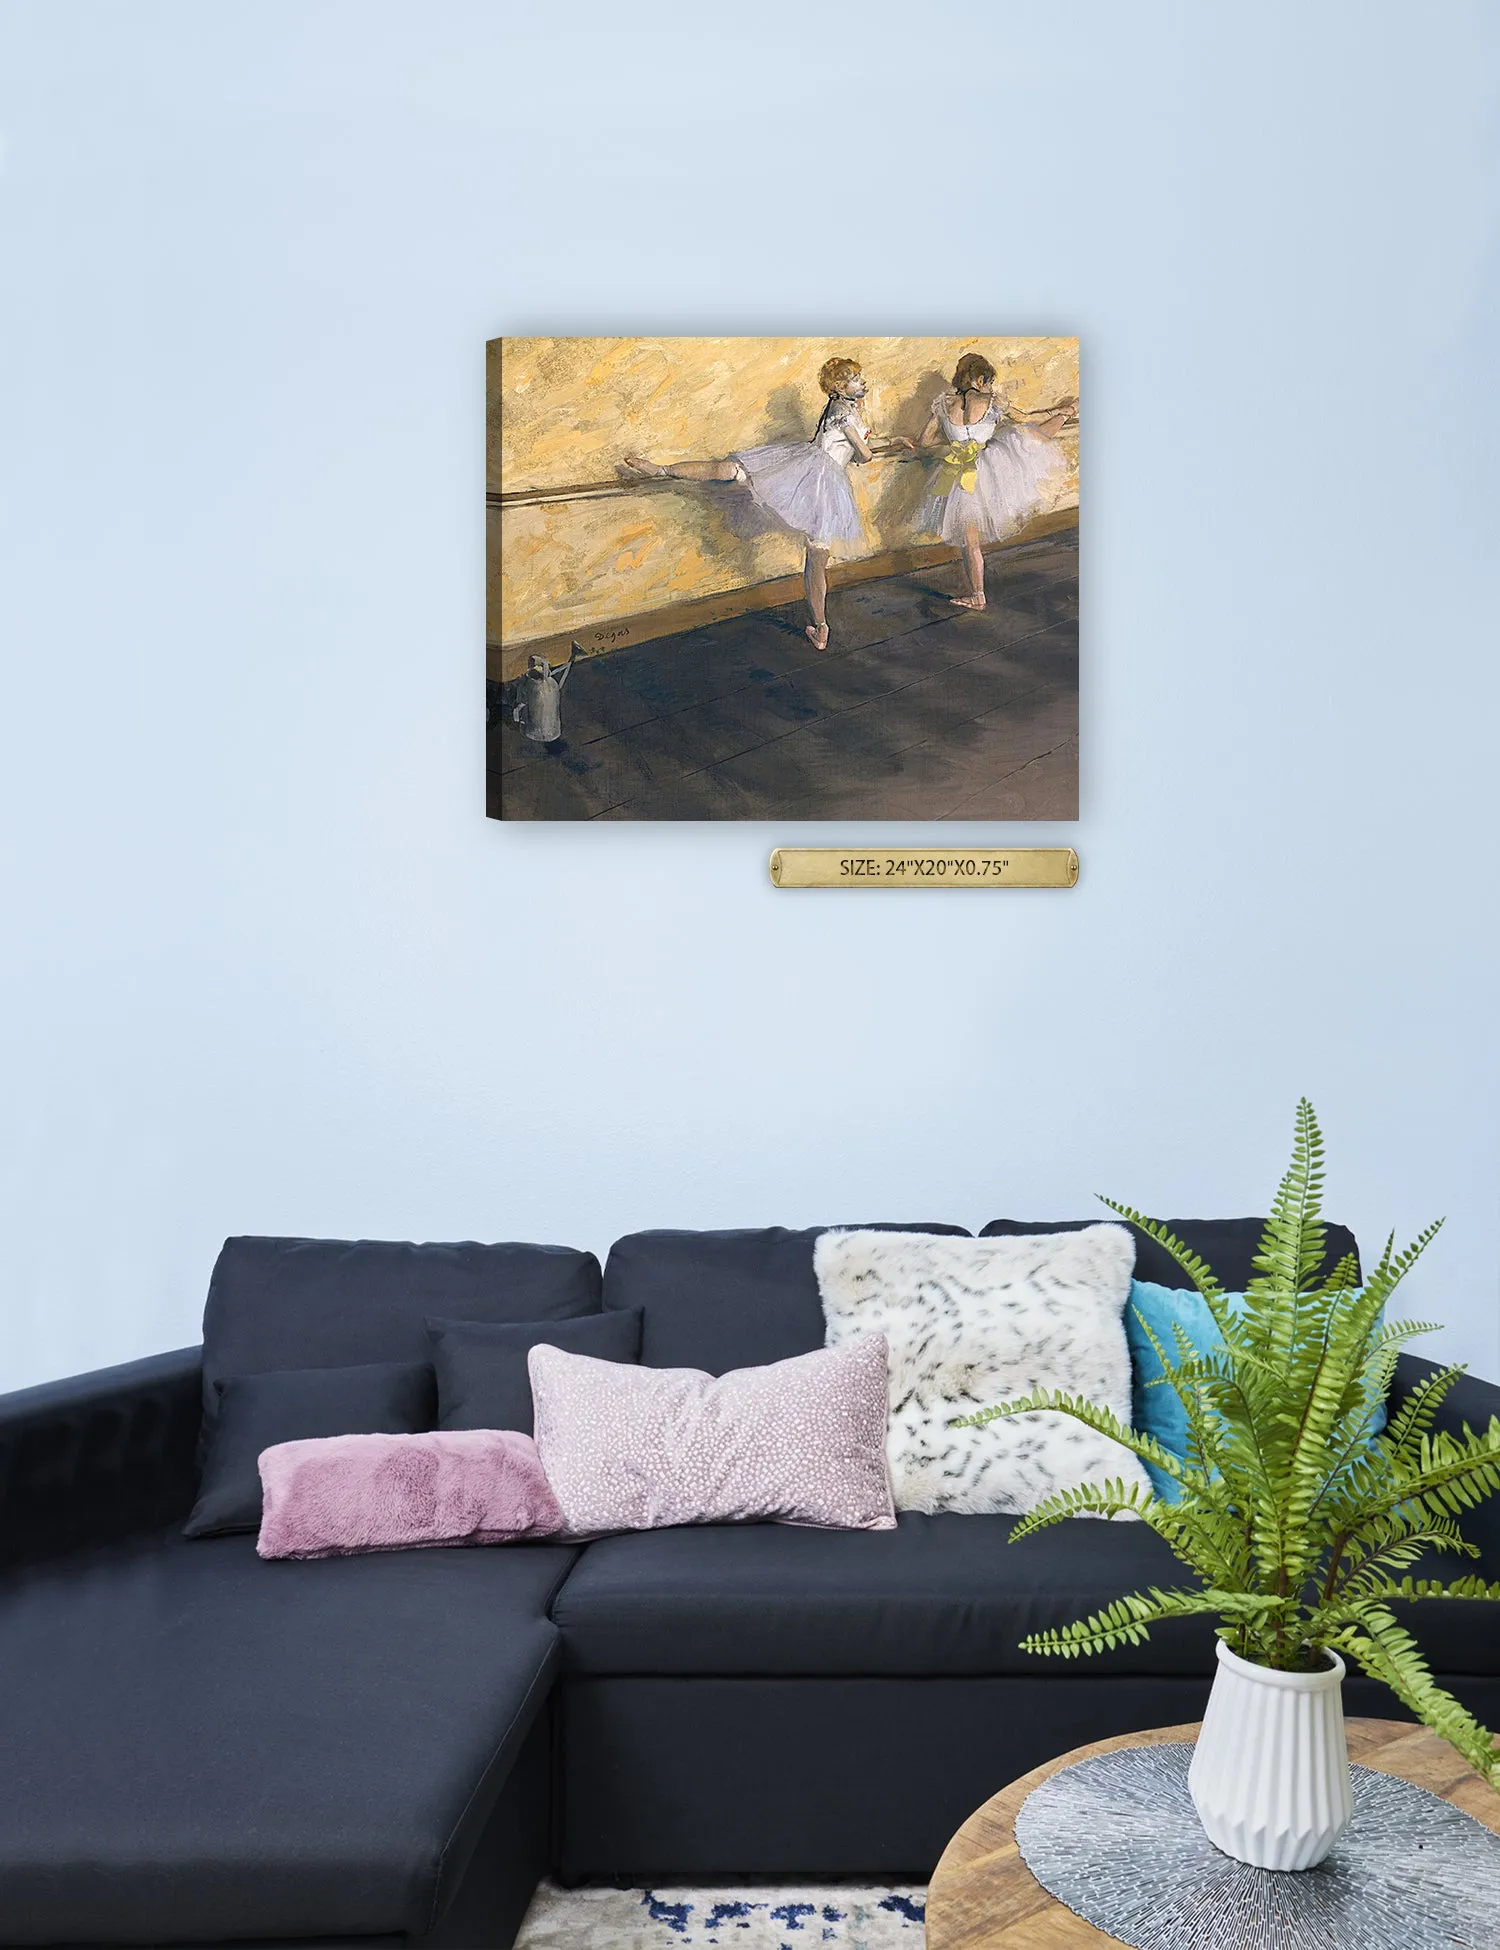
pixel 782 578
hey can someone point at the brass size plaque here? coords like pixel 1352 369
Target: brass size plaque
pixel 915 866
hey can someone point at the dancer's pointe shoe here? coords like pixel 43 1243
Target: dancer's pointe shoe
pixel 817 635
pixel 646 469
pixel 967 602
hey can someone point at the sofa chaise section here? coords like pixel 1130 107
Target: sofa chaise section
pixel 201 1745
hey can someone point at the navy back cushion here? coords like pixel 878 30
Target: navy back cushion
pixel 1227 1245
pixel 483 1377
pixel 327 1303
pixel 722 1300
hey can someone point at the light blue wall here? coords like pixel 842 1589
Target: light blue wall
pixel 266 967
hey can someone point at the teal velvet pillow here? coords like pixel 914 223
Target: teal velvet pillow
pixel 1159 1412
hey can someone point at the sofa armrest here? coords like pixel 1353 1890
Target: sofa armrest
pixel 1473 1401
pixel 99 1455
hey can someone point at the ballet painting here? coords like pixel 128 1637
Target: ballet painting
pixel 782 578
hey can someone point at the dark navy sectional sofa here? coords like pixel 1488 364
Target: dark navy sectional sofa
pixel 201 1748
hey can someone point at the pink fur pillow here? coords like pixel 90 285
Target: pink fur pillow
pixel 335 1495
pixel 800 1441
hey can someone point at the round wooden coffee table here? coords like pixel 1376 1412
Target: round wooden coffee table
pixel 983 1897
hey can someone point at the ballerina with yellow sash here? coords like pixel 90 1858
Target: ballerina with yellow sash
pixel 996 466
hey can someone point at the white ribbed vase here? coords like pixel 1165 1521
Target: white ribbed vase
pixel 1270 1772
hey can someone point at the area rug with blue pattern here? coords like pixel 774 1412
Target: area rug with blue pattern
pixel 840 1916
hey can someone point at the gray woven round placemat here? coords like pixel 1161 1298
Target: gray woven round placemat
pixel 1118 1840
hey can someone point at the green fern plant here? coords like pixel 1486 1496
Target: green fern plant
pixel 1299 1526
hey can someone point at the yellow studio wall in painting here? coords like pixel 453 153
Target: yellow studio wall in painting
pixel 564 411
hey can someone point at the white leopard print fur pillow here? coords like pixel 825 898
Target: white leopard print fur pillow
pixel 970 1322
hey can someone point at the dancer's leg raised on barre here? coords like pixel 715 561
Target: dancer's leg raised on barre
pixel 685 470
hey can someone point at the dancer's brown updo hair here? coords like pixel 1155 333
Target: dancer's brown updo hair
pixel 972 373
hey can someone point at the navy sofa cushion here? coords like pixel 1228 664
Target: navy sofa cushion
pixel 723 1300
pixel 483 1381
pixel 943 1594
pixel 257 1411
pixel 202 1745
pixel 1228 1245
pixel 323 1303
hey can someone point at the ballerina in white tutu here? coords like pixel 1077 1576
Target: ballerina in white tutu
pixel 997 467
pixel 804 484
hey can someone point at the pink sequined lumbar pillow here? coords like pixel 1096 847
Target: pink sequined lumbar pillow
pixel 800 1441
pixel 336 1495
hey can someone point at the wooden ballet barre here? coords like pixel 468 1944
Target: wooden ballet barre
pixel 538 497
pixel 610 490
pixel 580 491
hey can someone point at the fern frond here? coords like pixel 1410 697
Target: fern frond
pixel 1209 1540
pixel 1102 1420
pixel 1459 1471
pixel 1085 1500
pixel 1370 1577
pixel 1197 1270
pixel 1388 1652
pixel 1407 1590
pixel 1293 1245
pixel 1345 1276
pixel 1128 1620
pixel 1396 1333
pixel 1414 1418
pixel 1394 1266
pixel 1189 1383
pixel 1414 1589
pixel 1398 1528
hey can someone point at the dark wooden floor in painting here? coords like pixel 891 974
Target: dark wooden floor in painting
pixel 917 711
